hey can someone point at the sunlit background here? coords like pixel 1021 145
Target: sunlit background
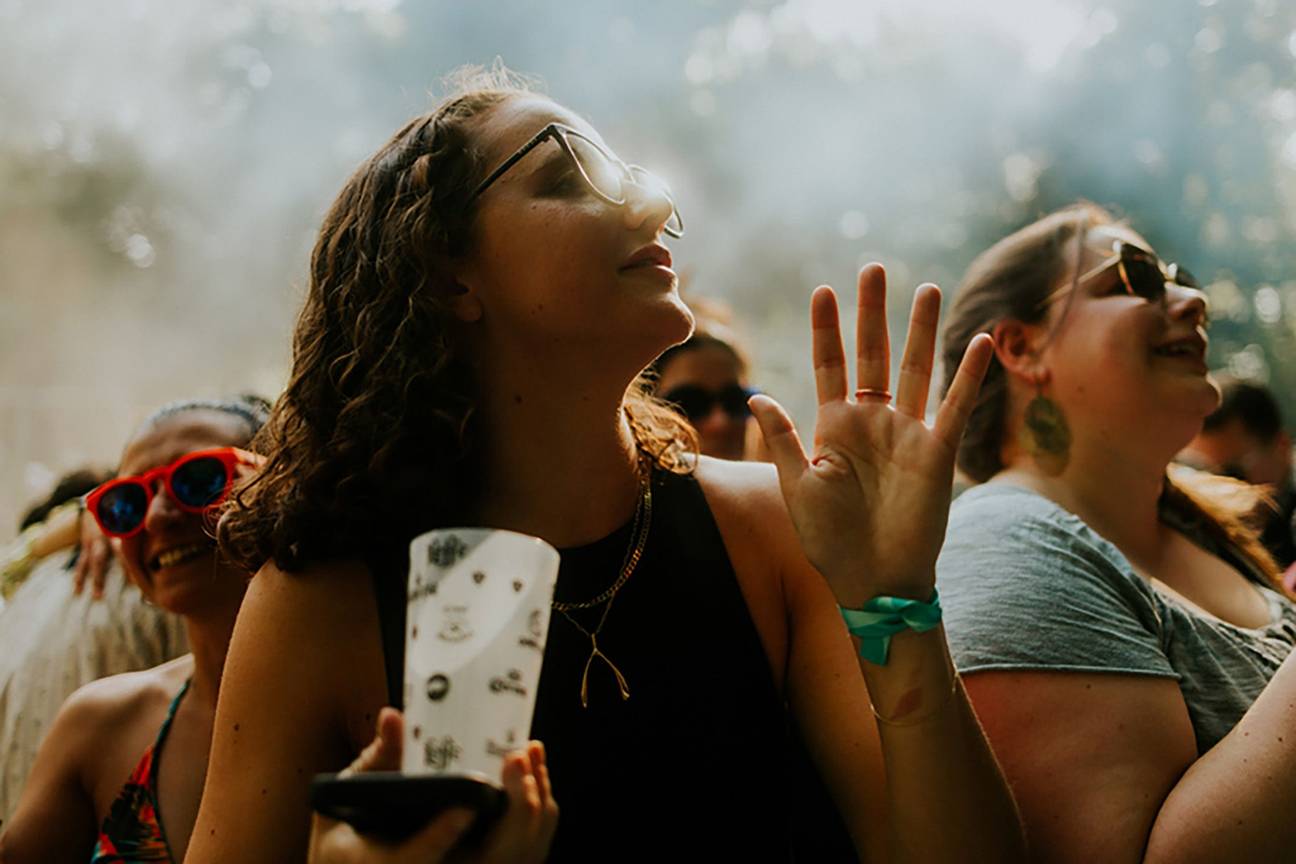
pixel 164 165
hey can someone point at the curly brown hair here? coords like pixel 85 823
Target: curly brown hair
pixel 1011 280
pixel 374 440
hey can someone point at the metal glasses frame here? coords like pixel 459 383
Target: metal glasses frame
pixel 559 133
pixel 1171 272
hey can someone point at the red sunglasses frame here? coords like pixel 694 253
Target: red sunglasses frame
pixel 230 457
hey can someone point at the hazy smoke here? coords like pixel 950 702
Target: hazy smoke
pixel 164 164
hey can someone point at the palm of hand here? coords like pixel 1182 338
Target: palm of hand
pixel 870 507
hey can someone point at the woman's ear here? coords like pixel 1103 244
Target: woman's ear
pixel 465 301
pixel 466 306
pixel 1017 347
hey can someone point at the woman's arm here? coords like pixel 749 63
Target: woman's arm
pixel 810 653
pixel 54 820
pixel 947 761
pixel 1105 768
pixel 870 510
pixel 303 671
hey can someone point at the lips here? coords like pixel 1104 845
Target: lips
pixel 652 255
pixel 176 555
pixel 1191 347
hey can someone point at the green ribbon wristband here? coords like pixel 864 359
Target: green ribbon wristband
pixel 883 617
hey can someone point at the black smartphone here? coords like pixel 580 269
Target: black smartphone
pixel 393 805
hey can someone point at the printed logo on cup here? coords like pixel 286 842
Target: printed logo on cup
pixel 477 614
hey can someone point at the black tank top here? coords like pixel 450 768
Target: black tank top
pixel 699 762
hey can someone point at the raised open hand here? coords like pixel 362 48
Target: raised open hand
pixel 871 505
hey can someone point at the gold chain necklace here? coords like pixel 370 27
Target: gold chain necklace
pixel 639 533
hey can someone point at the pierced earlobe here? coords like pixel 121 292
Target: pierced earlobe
pixel 465 305
pixel 1045 435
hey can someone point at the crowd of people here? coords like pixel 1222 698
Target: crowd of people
pixel 812 655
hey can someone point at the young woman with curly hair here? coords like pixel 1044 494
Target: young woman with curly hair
pixel 483 295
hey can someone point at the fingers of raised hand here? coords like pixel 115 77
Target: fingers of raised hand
pixel 828 352
pixel 781 438
pixel 872 342
pixel 919 352
pixel 81 571
pixel 89 530
pixel 99 552
pixel 953 415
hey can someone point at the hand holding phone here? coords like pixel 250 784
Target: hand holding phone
pixel 372 813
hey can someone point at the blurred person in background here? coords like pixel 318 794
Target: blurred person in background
pixel 706 380
pixel 51 526
pixel 1245 438
pixel 513 283
pixel 126 749
pixel 53 637
pixel 1121 632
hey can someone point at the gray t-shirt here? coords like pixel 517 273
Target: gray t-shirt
pixel 1027 585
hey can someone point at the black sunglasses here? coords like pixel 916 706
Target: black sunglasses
pixel 697 402
pixel 1141 274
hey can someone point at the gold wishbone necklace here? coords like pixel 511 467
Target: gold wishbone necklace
pixel 639 535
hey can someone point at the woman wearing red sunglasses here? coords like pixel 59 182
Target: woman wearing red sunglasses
pixel 127 749
pixel 119 775
pixel 1121 629
pixel 484 294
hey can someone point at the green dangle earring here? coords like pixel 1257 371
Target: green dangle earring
pixel 1048 437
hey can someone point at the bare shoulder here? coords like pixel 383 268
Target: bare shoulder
pixel 747 491
pixel 312 634
pixel 762 545
pixel 726 476
pixel 319 587
pixel 122 701
pixel 103 728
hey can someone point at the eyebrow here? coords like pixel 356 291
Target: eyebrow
pixel 556 158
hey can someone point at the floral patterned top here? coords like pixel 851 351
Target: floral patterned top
pixel 132 830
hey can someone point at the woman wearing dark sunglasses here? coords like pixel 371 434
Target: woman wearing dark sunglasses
pixel 1121 631
pixel 705 378
pixel 484 294
pixel 127 750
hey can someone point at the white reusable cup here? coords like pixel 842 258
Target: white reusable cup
pixel 476 617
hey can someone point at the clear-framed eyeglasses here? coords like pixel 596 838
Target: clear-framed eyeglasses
pixel 606 175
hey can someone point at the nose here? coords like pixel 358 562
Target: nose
pixel 162 510
pixel 1184 303
pixel 648 203
pixel 714 422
